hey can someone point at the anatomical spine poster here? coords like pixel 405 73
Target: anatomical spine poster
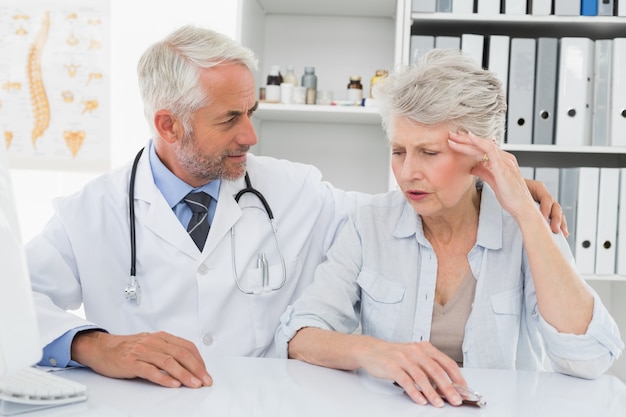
pixel 54 83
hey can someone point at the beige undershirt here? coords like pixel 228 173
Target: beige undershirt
pixel 448 326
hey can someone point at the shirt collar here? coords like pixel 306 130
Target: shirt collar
pixel 172 187
pixel 489 224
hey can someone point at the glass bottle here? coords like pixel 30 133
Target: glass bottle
pixel 272 88
pixel 309 81
pixel 379 75
pixel 355 90
pixel 290 76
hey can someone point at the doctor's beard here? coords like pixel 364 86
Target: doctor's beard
pixel 207 167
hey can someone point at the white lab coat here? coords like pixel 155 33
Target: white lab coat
pixel 83 256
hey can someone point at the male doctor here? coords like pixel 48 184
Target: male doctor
pixel 188 300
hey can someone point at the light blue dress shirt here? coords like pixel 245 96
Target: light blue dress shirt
pixel 381 274
pixel 58 353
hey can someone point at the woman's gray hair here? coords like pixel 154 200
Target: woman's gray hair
pixel 169 71
pixel 445 86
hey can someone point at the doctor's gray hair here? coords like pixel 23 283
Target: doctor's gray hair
pixel 169 71
pixel 445 86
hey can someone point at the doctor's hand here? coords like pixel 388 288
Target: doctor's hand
pixel 159 357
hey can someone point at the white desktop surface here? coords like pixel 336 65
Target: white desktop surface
pixel 253 387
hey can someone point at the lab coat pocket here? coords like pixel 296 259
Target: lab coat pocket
pixel 507 309
pixel 381 303
pixel 268 305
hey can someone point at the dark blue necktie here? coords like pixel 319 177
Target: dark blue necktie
pixel 198 227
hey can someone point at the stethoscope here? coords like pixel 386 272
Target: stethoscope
pixel 133 290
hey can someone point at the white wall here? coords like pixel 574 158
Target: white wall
pixel 135 24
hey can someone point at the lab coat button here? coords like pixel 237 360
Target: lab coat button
pixel 208 339
pixel 203 269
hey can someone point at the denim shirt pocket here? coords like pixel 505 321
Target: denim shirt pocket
pixel 381 303
pixel 507 309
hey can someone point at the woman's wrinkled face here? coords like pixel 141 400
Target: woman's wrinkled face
pixel 433 178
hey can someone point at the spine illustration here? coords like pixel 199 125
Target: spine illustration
pixel 38 96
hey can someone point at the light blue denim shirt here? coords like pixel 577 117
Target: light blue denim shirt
pixel 381 273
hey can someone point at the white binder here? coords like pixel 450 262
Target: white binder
pixel 573 114
pixel 498 60
pixel 587 219
pixel 545 91
pixel 418 45
pixel 515 6
pixel 605 7
pixel 602 77
pixel 550 177
pixel 488 7
pixel 462 6
pixel 473 45
pixel 621 226
pixel 568 198
pixel 621 8
pixel 444 6
pixel 567 7
pixel 618 101
pixel 528 172
pixel 448 42
pixel 541 7
pixel 423 6
pixel 607 221
pixel 521 91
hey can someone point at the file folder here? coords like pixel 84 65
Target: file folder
pixel 550 177
pixel 589 7
pixel 424 6
pixel 419 44
pixel 568 198
pixel 602 76
pixel 586 219
pixel 473 45
pixel 448 42
pixel 620 267
pixel 605 7
pixel 498 60
pixel 541 7
pixel 444 6
pixel 462 6
pixel 515 7
pixel 573 113
pixel 618 99
pixel 488 7
pixel 545 91
pixel 521 91
pixel 567 7
pixel 607 221
pixel 621 8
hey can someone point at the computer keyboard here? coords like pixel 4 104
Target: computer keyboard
pixel 33 389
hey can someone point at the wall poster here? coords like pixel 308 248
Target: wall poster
pixel 54 83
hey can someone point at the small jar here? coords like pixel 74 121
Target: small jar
pixel 380 74
pixel 272 88
pixel 309 81
pixel 355 90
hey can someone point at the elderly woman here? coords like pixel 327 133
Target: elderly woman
pixel 458 267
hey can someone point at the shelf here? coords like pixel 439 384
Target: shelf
pixel 594 27
pixel 568 156
pixel 364 8
pixel 615 278
pixel 317 113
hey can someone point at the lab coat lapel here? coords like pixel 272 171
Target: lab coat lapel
pixel 227 214
pixel 153 212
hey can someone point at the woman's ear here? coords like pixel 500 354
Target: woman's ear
pixel 168 126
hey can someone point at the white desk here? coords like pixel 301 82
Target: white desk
pixel 250 387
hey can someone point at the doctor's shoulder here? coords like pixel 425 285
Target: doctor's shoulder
pixel 282 174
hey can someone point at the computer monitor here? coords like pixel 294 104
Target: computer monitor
pixel 19 335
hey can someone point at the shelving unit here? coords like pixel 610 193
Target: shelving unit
pixel 342 38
